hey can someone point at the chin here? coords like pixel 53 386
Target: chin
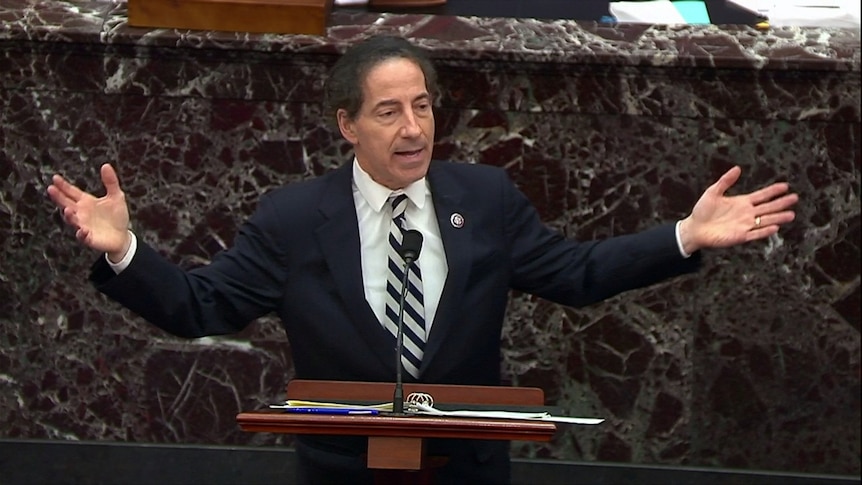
pixel 407 177
pixel 420 170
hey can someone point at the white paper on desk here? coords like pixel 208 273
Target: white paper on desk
pixel 294 403
pixel 423 409
pixel 806 13
pixel 351 2
pixel 655 12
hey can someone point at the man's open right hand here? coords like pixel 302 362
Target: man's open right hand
pixel 101 223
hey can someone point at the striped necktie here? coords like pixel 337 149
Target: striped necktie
pixel 414 309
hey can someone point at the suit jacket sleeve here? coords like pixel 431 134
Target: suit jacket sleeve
pixel 545 263
pixel 240 284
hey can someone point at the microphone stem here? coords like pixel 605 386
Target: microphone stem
pixel 398 397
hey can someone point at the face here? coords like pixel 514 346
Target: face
pixel 393 132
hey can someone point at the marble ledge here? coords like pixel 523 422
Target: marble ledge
pixel 473 38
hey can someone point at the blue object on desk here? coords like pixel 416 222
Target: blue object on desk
pixel 694 12
pixel 341 411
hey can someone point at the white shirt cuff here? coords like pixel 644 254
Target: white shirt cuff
pixel 679 241
pixel 119 266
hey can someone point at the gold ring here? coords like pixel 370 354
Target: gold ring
pixel 757 221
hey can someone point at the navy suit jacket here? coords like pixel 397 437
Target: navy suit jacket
pixel 298 256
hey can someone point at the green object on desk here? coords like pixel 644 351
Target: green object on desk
pixel 694 12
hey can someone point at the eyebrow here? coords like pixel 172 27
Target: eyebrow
pixel 392 102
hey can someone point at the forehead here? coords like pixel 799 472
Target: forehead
pixel 394 77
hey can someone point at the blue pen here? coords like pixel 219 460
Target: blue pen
pixel 341 411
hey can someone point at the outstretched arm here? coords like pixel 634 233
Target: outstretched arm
pixel 719 220
pixel 101 223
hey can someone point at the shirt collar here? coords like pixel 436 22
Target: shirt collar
pixel 377 195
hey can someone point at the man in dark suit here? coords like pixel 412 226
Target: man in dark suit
pixel 318 255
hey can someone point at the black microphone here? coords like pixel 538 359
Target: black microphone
pixel 411 246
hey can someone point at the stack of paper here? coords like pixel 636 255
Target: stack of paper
pixel 806 13
pixel 330 405
pixel 316 407
pixel 430 410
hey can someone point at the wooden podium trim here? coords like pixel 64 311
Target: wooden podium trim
pixel 258 16
pixel 396 426
pixel 317 390
pixel 405 3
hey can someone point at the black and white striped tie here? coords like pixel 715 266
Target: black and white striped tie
pixel 414 307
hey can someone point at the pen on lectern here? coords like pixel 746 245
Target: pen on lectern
pixel 339 411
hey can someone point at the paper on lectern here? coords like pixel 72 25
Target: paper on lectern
pixel 430 410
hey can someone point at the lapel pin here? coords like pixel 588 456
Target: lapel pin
pixel 457 220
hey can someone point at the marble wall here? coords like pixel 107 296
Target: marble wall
pixel 752 363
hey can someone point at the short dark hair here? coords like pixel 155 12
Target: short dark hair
pixel 343 89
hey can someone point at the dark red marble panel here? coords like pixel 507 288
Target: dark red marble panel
pixel 752 363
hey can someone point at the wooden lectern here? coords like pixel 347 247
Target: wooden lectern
pixel 398 442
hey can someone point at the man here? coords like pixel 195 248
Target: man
pixel 322 255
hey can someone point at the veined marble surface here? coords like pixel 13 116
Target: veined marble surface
pixel 752 363
pixel 525 40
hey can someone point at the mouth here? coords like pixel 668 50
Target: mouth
pixel 409 154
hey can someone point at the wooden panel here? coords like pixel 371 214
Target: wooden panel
pixel 259 16
pixel 396 453
pixel 312 390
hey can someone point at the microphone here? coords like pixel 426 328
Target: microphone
pixel 411 246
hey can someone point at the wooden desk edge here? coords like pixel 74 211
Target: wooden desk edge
pixel 397 426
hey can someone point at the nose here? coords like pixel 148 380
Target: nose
pixel 410 128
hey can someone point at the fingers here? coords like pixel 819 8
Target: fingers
pixel 82 234
pixel 67 198
pixel 761 233
pixel 63 193
pixel 771 204
pixel 777 205
pixel 768 193
pixel 69 216
pixel 110 180
pixel 59 198
pixel 727 180
pixel 776 219
pixel 67 190
pixel 65 205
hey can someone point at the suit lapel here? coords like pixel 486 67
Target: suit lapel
pixel 338 237
pixel 447 196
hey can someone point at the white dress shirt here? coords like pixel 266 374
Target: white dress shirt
pixel 374 218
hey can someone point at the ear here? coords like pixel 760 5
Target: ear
pixel 345 124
